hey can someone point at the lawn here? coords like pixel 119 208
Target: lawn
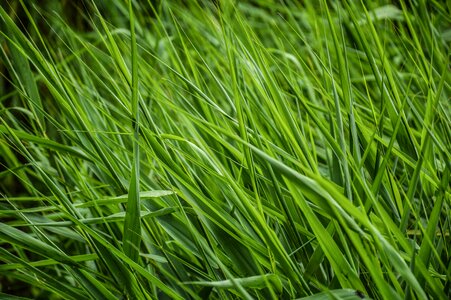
pixel 260 149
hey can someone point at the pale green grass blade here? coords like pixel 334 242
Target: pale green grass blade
pixel 132 226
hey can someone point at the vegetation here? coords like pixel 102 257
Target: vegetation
pixel 225 150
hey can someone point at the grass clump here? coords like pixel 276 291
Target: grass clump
pixel 249 149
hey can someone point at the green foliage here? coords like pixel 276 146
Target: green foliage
pixel 225 150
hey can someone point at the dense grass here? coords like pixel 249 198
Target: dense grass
pixel 256 149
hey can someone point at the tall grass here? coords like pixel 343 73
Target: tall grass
pixel 247 149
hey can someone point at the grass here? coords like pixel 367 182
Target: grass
pixel 247 150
